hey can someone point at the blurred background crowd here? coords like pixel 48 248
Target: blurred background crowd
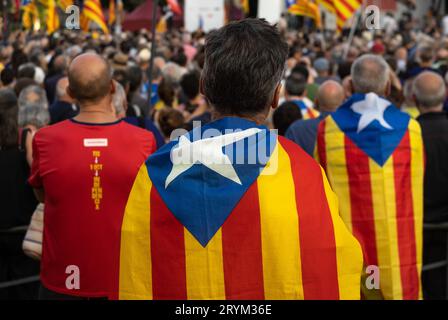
pixel 158 85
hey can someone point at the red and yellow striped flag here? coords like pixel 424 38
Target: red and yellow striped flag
pixel 52 16
pixel 375 163
pixel 280 236
pixel 93 11
pixel 30 15
pixel 112 13
pixel 307 8
pixel 343 9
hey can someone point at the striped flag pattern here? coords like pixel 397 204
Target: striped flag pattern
pixel 283 239
pixel 308 112
pixel 381 203
pixel 93 11
pixel 343 9
pixel 306 8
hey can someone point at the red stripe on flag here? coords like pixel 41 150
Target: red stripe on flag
pixel 310 113
pixel 347 5
pixel 242 252
pixel 321 145
pixel 405 220
pixel 363 216
pixel 317 240
pixel 167 252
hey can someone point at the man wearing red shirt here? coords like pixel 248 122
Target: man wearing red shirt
pixel 83 170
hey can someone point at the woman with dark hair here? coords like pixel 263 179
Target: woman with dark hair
pixel 17 202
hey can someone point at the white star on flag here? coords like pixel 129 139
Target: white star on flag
pixel 371 108
pixel 207 152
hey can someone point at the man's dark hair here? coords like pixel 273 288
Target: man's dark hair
pixel 8 119
pixel 190 84
pixel 301 69
pixel 295 84
pixel 135 76
pixel 244 63
pixel 121 76
pixel 27 70
pixel 7 76
pixel 285 115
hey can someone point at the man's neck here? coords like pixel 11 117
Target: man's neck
pixel 431 110
pixel 292 98
pixel 96 113
pixel 259 119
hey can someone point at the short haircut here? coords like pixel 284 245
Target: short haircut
pixel 429 94
pixel 426 54
pixel 295 84
pixel 370 73
pixel 7 76
pixel 169 120
pixel 33 94
pixel 33 114
pixel 27 70
pixel 190 84
pixel 92 88
pixel 244 63
pixel 285 115
pixel 301 69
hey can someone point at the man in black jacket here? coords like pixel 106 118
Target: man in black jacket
pixel 429 94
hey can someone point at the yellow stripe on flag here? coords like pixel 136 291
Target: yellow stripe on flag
pixel 347 249
pixel 282 273
pixel 337 172
pixel 417 162
pixel 135 262
pixel 384 208
pixel 204 268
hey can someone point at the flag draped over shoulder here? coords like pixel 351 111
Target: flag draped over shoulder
pixel 305 8
pixel 93 11
pixel 308 112
pixel 343 9
pixel 219 228
pixel 374 159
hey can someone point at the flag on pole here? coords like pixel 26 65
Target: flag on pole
pixel 64 4
pixel 343 9
pixel 30 16
pixel 374 159
pixel 305 8
pixel 93 12
pixel 112 12
pixel 217 228
pixel 245 6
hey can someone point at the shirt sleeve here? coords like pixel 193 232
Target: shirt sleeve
pixel 35 179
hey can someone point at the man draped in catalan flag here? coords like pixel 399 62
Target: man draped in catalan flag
pixel 373 156
pixel 231 210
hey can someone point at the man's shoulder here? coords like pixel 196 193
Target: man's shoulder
pixel 297 156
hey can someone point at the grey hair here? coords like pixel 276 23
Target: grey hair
pixel 429 96
pixel 119 98
pixel 370 73
pixel 61 89
pixel 33 95
pixel 33 114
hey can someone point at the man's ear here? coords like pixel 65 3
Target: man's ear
pixel 388 88
pixel 112 87
pixel 276 98
pixel 352 89
pixel 201 86
pixel 69 92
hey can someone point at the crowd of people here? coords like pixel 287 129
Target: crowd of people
pixel 81 112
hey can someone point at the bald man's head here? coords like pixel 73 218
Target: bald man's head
pixel 330 96
pixel 90 78
pixel 429 91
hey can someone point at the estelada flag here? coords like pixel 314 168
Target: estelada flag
pixel 239 215
pixel 374 159
pixel 308 112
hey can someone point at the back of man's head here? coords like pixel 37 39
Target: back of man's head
pixel 429 91
pixel 426 54
pixel 244 64
pixel 370 73
pixel 295 84
pixel 61 88
pixel 190 84
pixel 135 76
pixel 33 94
pixel 90 78
pixel 330 96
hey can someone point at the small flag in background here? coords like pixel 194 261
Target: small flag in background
pixel 112 12
pixel 306 8
pixel 93 11
pixel 175 7
pixel 374 159
pixel 343 9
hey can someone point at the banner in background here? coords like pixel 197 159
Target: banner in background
pixel 207 14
